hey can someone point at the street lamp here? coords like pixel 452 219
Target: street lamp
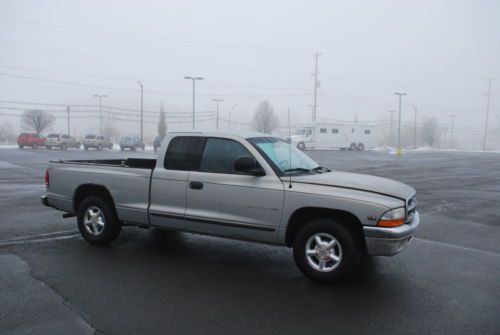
pixel 100 96
pixel 217 122
pixel 230 113
pixel 142 111
pixel 194 79
pixel 399 121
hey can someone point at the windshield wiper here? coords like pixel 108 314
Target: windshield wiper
pixel 321 169
pixel 298 169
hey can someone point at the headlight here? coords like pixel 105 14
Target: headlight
pixel 393 218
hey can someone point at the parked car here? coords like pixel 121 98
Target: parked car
pixel 98 142
pixel 157 143
pixel 246 186
pixel 61 141
pixel 32 140
pixel 131 142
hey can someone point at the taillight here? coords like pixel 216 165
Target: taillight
pixel 47 178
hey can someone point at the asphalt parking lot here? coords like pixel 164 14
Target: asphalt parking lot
pixel 149 281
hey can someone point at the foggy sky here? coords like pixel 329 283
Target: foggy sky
pixel 439 52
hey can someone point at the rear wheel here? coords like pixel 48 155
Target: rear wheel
pixel 21 146
pixel 353 147
pixel 85 147
pixel 99 147
pixel 301 146
pixel 34 146
pixel 64 146
pixel 325 251
pixel 48 147
pixel 361 146
pixel 97 222
pixel 122 148
pixel 133 148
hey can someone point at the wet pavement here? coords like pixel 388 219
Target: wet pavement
pixel 152 281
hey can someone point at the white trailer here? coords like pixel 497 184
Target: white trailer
pixel 321 135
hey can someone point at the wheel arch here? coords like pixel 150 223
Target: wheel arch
pixel 86 190
pixel 302 216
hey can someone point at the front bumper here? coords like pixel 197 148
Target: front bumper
pixel 389 241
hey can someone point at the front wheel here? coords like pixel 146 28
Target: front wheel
pixel 325 251
pixel 353 147
pixel 301 146
pixel 99 147
pixel 64 146
pixel 21 146
pixel 361 147
pixel 97 222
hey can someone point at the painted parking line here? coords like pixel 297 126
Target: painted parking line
pixel 41 240
pixel 449 245
pixel 39 235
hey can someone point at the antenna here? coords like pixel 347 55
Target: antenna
pixel 289 151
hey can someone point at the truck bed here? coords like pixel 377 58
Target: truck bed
pixel 136 163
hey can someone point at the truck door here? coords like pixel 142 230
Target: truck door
pixel 221 201
pixel 169 181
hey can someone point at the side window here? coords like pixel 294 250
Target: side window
pixel 322 130
pixel 219 155
pixel 367 131
pixel 183 153
pixel 335 131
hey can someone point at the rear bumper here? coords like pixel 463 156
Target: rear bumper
pixel 45 201
pixel 389 241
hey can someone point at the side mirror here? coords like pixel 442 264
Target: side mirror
pixel 248 165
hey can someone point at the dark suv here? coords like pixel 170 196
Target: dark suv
pixel 131 142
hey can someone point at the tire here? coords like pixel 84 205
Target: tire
pixel 122 148
pixel 106 227
pixel 78 146
pixel 21 146
pixel 99 147
pixel 49 147
pixel 64 146
pixel 85 148
pixel 143 147
pixel 301 146
pixel 361 147
pixel 34 146
pixel 353 147
pixel 344 248
pixel 111 146
pixel 133 148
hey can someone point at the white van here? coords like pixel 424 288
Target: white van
pixel 351 136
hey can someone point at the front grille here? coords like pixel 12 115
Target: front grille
pixel 411 208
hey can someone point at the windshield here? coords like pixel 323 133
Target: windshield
pixel 90 137
pixel 53 136
pixel 126 138
pixel 278 152
pixel 300 131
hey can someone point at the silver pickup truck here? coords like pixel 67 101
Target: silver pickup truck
pixel 247 186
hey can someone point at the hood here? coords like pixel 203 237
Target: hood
pixel 358 181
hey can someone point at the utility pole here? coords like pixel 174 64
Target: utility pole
pixel 392 134
pixel 399 125
pixel 315 74
pixel 217 122
pixel 100 96
pixel 142 111
pixel 194 79
pixel 415 109
pixel 487 113
pixel 67 111
pixel 312 111
pixel 452 129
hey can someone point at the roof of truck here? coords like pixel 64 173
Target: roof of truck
pixel 235 133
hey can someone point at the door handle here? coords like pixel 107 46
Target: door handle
pixel 196 185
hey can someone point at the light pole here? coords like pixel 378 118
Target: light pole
pixel 194 79
pixel 217 122
pixel 399 122
pixel 452 128
pixel 230 113
pixel 415 110
pixel 100 96
pixel 487 114
pixel 142 110
pixel 312 112
pixel 392 124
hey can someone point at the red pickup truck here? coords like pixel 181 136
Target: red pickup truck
pixel 30 140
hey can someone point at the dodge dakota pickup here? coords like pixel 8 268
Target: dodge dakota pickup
pixel 246 186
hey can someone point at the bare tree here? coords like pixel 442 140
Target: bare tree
pixel 37 120
pixel 264 120
pixel 430 130
pixel 162 122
